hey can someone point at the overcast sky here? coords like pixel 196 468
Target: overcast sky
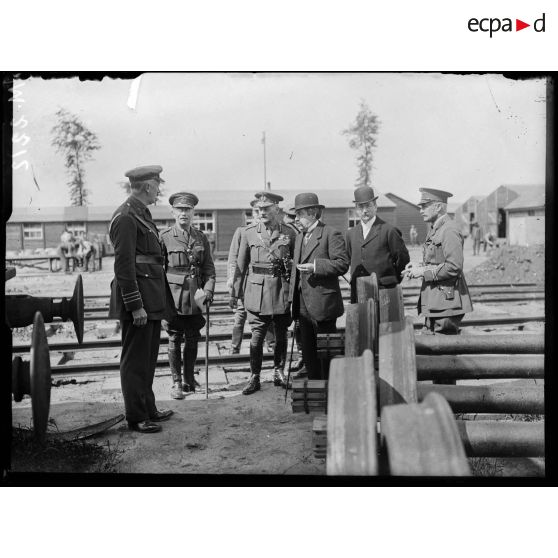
pixel 466 134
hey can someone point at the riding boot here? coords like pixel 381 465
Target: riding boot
pixel 175 364
pixel 190 356
pixel 280 357
pixel 256 355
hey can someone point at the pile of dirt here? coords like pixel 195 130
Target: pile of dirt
pixel 511 264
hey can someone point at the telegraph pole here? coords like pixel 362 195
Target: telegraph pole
pixel 265 169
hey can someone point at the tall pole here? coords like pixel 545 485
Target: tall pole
pixel 265 170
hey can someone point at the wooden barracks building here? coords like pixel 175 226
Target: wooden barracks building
pixel 218 212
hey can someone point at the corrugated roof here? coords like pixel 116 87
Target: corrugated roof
pixel 528 198
pixel 219 199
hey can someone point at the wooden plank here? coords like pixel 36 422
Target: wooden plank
pixel 300 396
pixel 311 385
pixel 352 416
pixel 391 306
pixel 352 336
pixel 397 363
pixel 423 440
pixel 367 288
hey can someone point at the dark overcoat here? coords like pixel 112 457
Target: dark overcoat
pixel 444 291
pixel 139 274
pixel 382 252
pixel 321 291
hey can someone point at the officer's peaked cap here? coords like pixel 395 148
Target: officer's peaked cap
pixel 183 199
pixel 145 173
pixel 432 195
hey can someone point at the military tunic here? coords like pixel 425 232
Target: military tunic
pixel 264 262
pixel 444 291
pixel 139 282
pixel 261 278
pixel 190 266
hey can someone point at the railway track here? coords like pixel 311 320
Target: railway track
pixel 418 433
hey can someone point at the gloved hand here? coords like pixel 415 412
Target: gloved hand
pixel 208 297
pixel 233 301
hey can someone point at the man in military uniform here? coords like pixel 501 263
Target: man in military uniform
pixel 262 277
pixel 320 257
pixel 140 297
pixel 190 267
pixel 444 297
pixel 374 246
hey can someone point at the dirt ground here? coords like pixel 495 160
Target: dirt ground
pixel 229 432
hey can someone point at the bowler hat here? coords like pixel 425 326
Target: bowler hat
pixel 303 201
pixel 145 173
pixel 432 195
pixel 364 194
pixel 183 199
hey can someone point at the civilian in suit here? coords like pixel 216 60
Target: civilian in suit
pixel 373 245
pixel 320 257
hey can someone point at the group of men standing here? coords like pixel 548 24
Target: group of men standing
pixel 277 272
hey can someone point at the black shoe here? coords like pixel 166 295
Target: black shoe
pixel 145 427
pixel 187 388
pixel 278 377
pixel 295 367
pixel 234 351
pixel 161 416
pixel 253 385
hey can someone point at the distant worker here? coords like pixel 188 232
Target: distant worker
pixel 67 249
pixel 489 239
pixel 444 297
pixel 140 297
pixel 413 235
pixel 477 237
pixel 190 268
pixel 373 245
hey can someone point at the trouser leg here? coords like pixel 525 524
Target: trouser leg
pixel 190 356
pixel 308 340
pixel 175 354
pixel 238 326
pixel 137 367
pixel 281 341
pixel 259 325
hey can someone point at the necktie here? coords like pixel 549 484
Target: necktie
pixel 307 238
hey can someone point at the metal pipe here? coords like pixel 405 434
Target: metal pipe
pixel 489 399
pixel 494 438
pixel 479 367
pixel 508 343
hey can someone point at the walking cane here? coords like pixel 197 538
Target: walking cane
pixel 207 350
pixel 290 359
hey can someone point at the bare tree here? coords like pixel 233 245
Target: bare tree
pixel 76 143
pixel 362 138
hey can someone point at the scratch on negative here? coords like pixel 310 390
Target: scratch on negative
pixel 134 93
pixel 492 95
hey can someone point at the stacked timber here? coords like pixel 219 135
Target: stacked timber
pixel 319 436
pixel 309 396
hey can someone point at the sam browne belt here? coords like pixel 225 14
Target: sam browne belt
pixel 155 260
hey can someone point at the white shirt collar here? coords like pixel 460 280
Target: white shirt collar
pixel 367 226
pixel 312 227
